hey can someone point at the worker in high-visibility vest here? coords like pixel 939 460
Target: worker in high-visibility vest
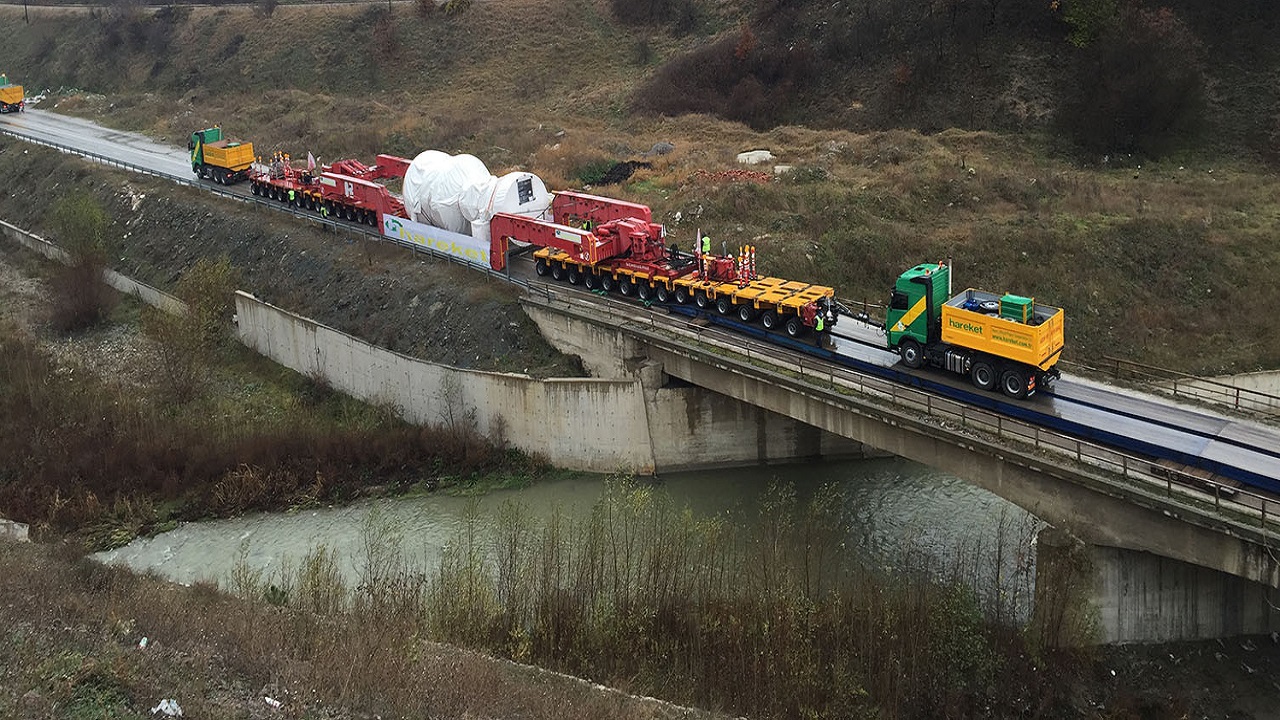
pixel 290 196
pixel 706 253
pixel 819 327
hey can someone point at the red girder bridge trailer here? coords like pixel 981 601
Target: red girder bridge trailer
pixel 345 189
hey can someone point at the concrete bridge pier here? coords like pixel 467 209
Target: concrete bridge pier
pixel 1088 593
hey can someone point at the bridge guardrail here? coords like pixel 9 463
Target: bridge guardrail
pixel 1194 387
pixel 1238 506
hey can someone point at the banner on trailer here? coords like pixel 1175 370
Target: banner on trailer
pixel 463 247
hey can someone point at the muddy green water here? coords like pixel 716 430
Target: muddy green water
pixel 895 505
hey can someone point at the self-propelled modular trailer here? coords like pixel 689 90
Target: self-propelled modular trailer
pixel 609 244
pixel 1005 341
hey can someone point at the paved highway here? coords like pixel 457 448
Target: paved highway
pixel 1229 448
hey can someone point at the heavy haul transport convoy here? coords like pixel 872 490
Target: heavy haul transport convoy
pixel 1004 342
pixel 10 96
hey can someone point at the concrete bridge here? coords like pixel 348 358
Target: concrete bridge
pixel 1157 560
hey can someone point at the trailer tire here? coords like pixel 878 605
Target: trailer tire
pixel 557 272
pixel 626 287
pixel 701 300
pixel 575 276
pixel 682 296
pixel 662 294
pixel 540 267
pixel 257 189
pixel 983 375
pixel 1014 384
pixel 590 281
pixel 608 283
pixel 746 313
pixel 912 354
pixel 769 319
pixel 795 328
pixel 644 291
pixel 724 306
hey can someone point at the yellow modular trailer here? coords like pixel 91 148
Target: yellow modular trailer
pixel 1020 330
pixel 776 302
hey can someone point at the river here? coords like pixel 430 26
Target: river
pixel 896 507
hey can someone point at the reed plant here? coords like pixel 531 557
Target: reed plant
pixel 765 613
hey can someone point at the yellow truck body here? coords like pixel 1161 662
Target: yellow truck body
pixel 1033 336
pixel 229 154
pixel 11 94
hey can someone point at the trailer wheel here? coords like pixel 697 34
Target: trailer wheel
pixel 1014 384
pixel 724 306
pixel 795 328
pixel 557 272
pixel 626 287
pixel 912 354
pixel 608 283
pixel 591 281
pixel 540 267
pixel 983 375
pixel 663 294
pixel 769 319
pixel 644 291
pixel 746 313
pixel 682 295
pixel 257 189
pixel 701 300
pixel 575 276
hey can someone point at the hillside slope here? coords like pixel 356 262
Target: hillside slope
pixel 1150 258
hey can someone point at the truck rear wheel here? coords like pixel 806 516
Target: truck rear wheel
pixel 626 287
pixel 912 354
pixel 983 375
pixel 1014 384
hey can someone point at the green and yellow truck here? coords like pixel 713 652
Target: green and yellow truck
pixel 10 96
pixel 1009 342
pixel 220 159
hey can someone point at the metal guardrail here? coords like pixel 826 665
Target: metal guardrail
pixel 1244 510
pixel 1193 387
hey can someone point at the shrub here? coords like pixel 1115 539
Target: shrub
pixel 1138 88
pixel 81 296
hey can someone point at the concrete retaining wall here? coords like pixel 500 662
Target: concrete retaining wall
pixel 578 423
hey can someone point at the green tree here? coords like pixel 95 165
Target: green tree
pixel 81 296
pixel 188 339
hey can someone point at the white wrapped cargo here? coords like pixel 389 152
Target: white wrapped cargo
pixel 457 192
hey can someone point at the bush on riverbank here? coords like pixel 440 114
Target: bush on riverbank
pixel 86 455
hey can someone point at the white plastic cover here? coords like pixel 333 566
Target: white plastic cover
pixel 456 192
